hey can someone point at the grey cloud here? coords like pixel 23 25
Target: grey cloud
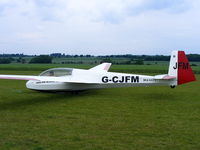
pixel 115 16
pixel 120 28
pixel 4 6
pixel 169 6
pixel 45 3
pixel 45 10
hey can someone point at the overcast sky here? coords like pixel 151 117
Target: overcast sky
pixel 99 27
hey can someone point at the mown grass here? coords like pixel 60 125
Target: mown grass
pixel 140 118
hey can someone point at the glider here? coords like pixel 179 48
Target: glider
pixel 70 79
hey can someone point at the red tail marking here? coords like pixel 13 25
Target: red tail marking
pixel 185 73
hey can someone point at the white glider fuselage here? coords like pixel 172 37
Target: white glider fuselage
pixel 96 80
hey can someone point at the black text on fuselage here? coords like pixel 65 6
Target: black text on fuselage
pixel 121 79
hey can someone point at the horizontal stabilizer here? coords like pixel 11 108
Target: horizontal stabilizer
pixel 164 77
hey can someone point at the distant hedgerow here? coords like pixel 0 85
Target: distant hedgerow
pixel 44 59
pixel 5 60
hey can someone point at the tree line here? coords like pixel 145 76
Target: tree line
pixel 8 58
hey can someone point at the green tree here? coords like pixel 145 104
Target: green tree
pixel 5 61
pixel 108 60
pixel 43 59
pixel 139 62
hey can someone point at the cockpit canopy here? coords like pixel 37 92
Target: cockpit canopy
pixel 57 72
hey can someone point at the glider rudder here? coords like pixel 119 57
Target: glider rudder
pixel 185 73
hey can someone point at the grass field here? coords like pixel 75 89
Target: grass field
pixel 139 118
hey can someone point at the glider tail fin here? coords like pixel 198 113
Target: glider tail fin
pixel 180 68
pixel 101 67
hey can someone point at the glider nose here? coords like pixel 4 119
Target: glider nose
pixel 29 84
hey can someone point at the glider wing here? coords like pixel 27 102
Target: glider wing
pixel 48 78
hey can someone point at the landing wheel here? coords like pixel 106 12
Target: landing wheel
pixel 172 86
